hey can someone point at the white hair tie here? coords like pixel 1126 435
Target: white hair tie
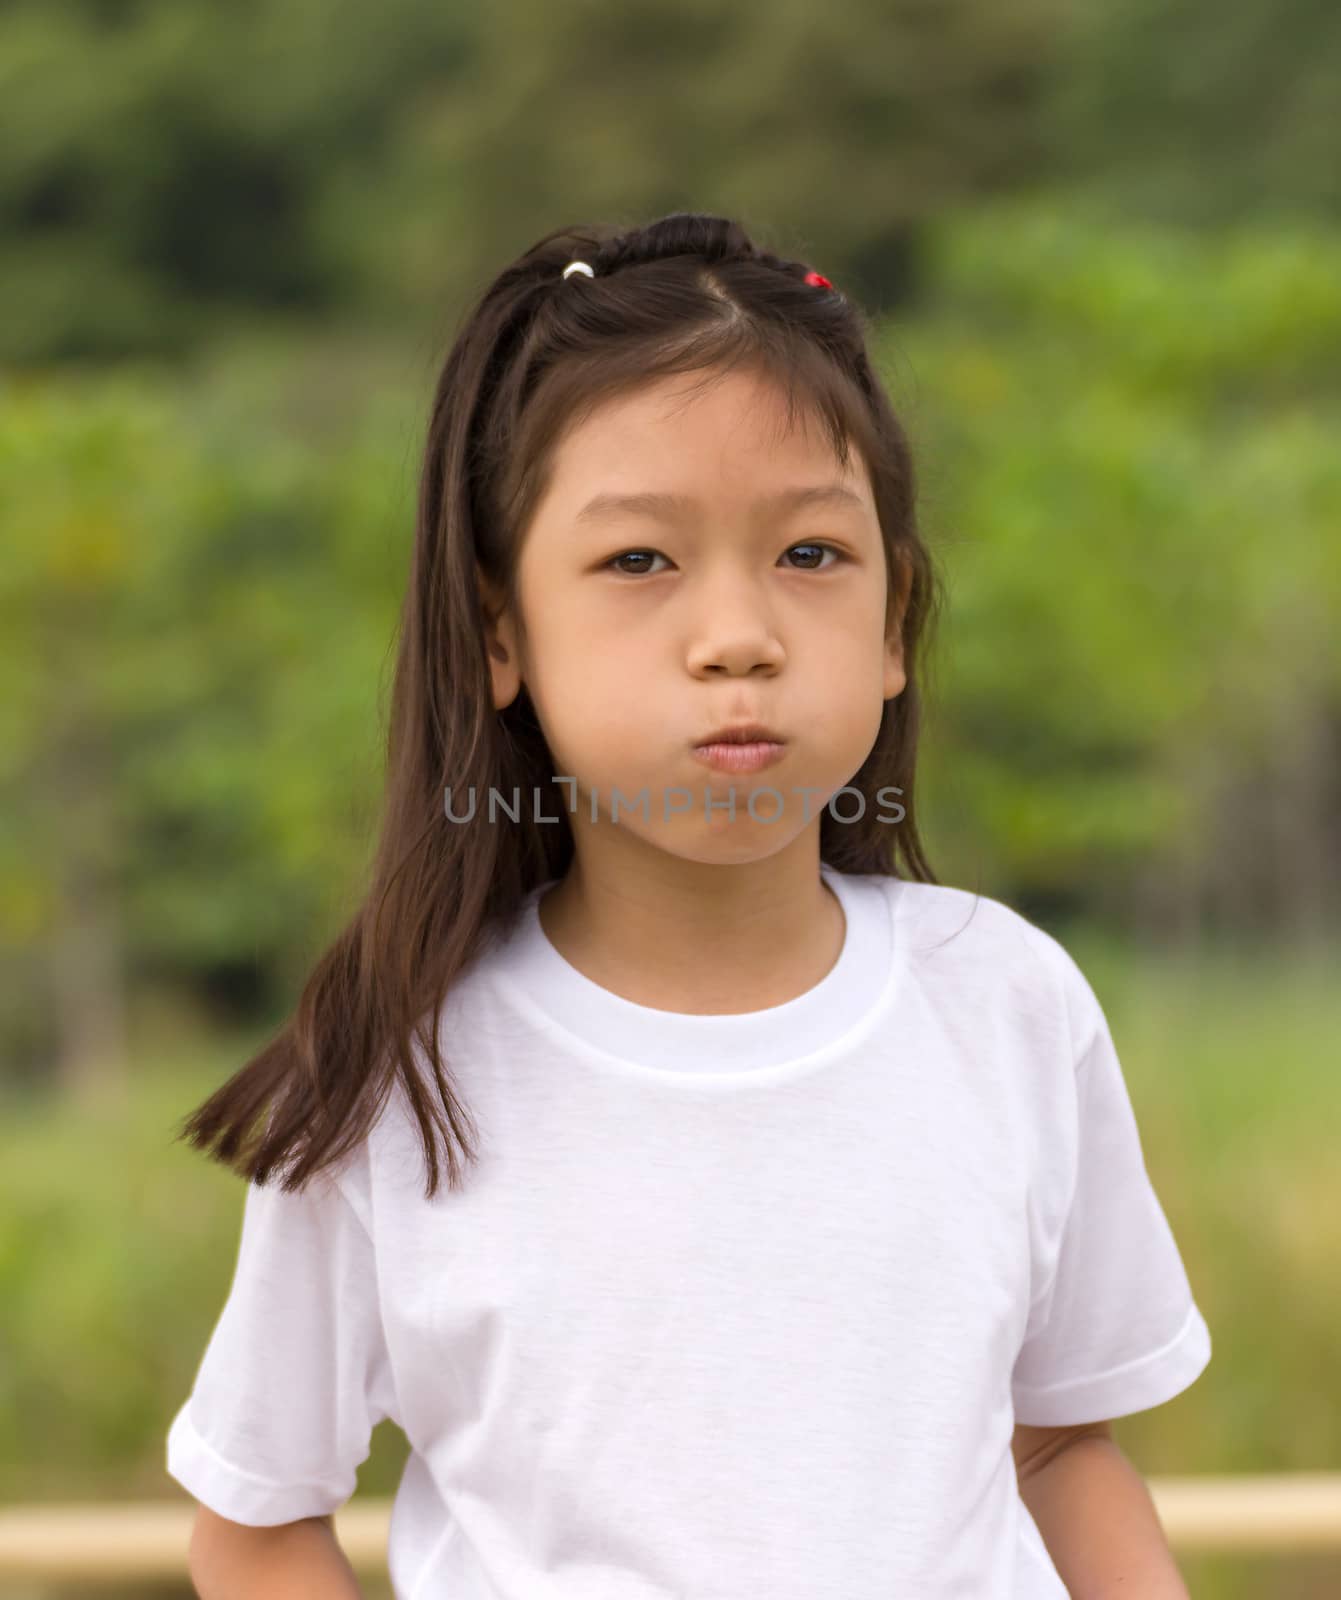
pixel 577 266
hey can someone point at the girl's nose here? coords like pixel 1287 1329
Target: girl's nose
pixel 736 645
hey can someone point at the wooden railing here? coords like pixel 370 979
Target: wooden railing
pixel 146 1542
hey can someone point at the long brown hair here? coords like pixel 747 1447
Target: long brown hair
pixel 688 293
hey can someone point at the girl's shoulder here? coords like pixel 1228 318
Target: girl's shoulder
pixel 981 947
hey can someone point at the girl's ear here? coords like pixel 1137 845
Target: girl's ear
pixel 500 637
pixel 896 678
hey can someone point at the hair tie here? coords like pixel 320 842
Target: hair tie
pixel 816 279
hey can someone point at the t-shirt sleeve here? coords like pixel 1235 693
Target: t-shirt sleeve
pixel 1117 1329
pixel 295 1375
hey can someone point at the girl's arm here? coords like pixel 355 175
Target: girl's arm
pixel 1097 1519
pixel 292 1561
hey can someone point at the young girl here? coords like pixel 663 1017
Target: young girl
pixel 796 1239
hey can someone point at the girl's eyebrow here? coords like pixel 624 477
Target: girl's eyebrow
pixel 666 507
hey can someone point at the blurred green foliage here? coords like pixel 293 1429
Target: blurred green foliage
pixel 196 614
pixel 1128 442
pixel 164 165
pixel 1201 111
pixel 167 167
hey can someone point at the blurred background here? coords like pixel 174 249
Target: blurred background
pixel 1102 243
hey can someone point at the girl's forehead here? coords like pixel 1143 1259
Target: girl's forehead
pixel 719 423
pixel 703 398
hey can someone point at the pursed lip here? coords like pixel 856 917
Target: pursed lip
pixel 741 733
pixel 742 747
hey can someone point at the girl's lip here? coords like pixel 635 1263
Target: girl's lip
pixel 751 757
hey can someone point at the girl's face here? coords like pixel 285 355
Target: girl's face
pixel 731 600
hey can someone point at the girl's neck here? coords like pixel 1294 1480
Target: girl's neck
pixel 701 939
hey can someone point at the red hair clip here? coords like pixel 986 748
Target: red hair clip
pixel 819 280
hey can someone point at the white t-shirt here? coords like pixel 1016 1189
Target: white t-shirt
pixel 730 1306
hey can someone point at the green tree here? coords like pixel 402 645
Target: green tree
pixel 834 131
pixel 1202 111
pixel 167 168
pixel 1129 450
pixel 195 616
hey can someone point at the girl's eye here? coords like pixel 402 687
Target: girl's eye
pixel 633 555
pixel 815 547
pixel 811 565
